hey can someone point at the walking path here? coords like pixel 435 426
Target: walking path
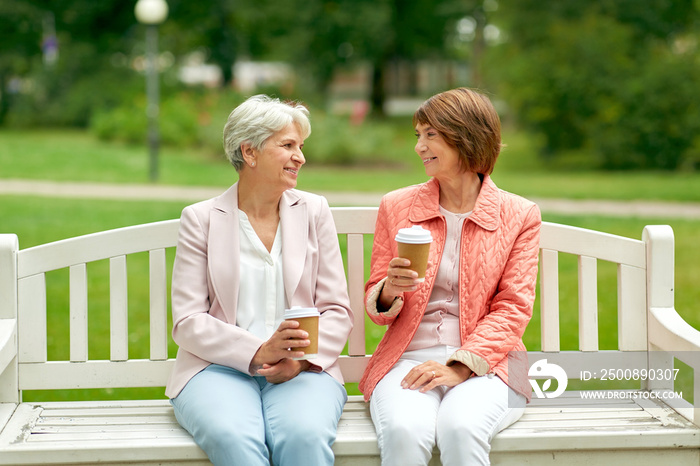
pixel 651 209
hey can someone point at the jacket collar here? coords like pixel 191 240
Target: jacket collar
pixel 223 249
pixel 228 201
pixel 295 233
pixel 486 213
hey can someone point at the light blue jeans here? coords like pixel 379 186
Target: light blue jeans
pixel 242 420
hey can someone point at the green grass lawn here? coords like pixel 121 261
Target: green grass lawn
pixel 77 156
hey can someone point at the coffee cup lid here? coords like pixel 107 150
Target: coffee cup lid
pixel 414 235
pixel 297 312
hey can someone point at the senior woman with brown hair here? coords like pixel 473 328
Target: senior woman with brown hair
pixel 441 374
pixel 243 258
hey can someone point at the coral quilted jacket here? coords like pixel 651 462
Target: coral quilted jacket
pixel 497 276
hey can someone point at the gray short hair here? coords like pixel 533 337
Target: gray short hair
pixel 258 118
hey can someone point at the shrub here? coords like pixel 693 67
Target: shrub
pixel 658 120
pixel 177 121
pixel 334 140
pixel 125 123
pixel 197 117
pixel 71 92
pixel 607 86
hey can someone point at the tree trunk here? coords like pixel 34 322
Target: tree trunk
pixel 378 87
pixel 479 47
pixel 4 98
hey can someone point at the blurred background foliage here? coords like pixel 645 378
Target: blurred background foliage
pixel 613 77
pixel 609 84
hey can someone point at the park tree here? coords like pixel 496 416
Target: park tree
pixel 64 52
pixel 212 27
pixel 317 36
pixel 416 30
pixel 99 43
pixel 611 77
pixel 20 41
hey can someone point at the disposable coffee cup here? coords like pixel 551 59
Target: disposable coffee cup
pixel 308 321
pixel 414 245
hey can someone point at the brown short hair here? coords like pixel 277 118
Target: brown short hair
pixel 469 122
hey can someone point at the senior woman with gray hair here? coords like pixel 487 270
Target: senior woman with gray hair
pixel 242 259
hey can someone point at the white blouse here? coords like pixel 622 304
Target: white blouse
pixel 261 297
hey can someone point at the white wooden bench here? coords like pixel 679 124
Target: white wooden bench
pixel 566 430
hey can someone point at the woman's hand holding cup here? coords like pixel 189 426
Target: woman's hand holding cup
pixel 288 335
pixel 400 279
pixel 406 272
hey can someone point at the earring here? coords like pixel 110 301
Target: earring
pixel 252 164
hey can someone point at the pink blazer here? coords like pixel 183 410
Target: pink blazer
pixel 205 283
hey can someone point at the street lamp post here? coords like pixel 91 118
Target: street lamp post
pixel 152 13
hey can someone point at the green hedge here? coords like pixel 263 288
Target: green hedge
pixel 196 119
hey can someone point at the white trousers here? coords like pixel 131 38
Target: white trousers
pixel 462 420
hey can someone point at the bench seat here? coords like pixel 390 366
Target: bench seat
pixel 146 432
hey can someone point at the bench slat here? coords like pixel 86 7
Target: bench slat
pixel 112 435
pixel 356 267
pixel 573 412
pixel 549 299
pixel 66 435
pixel 643 422
pixel 32 318
pixel 159 304
pixel 97 411
pixel 355 220
pixel 631 309
pixel 118 309
pixel 591 243
pixel 97 246
pixel 84 421
pixel 78 313
pixel 58 375
pixel 156 451
pixel 588 303
pixel 140 405
pixel 353 367
pixel 602 456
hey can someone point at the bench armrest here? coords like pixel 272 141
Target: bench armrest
pixel 8 342
pixel 669 332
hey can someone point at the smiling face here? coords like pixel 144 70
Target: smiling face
pixel 440 159
pixel 468 122
pixel 278 161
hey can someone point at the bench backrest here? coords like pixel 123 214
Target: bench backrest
pixel 79 369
